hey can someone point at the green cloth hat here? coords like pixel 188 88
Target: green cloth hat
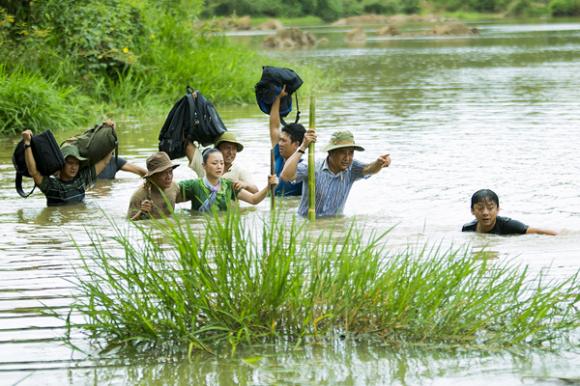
pixel 342 139
pixel 228 136
pixel 71 151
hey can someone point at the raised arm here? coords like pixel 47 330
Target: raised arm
pixel 382 161
pixel 539 231
pixel 275 117
pixel 132 168
pixel 256 198
pixel 100 166
pixel 29 158
pixel 289 171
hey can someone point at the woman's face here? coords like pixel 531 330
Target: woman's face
pixel 163 179
pixel 214 165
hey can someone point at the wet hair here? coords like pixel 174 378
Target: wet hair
pixel 484 195
pixel 207 152
pixel 295 131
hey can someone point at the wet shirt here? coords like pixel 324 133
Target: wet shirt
pixel 112 168
pixel 198 192
pixel 163 201
pixel 285 188
pixel 331 189
pixel 503 226
pixel 60 192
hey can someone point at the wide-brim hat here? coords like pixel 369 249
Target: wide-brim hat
pixel 228 136
pixel 71 151
pixel 157 163
pixel 342 139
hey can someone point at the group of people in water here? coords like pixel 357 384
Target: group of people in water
pixel 221 182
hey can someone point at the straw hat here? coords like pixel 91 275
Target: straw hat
pixel 228 136
pixel 157 163
pixel 342 139
pixel 71 151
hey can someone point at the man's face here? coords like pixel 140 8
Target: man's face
pixel 163 179
pixel 341 159
pixel 486 213
pixel 70 169
pixel 287 147
pixel 229 151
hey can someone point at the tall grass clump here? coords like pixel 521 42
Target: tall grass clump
pixel 173 284
pixel 30 101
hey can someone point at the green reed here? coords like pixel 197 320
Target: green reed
pixel 173 284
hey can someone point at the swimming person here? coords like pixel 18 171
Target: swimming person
pixel 485 207
pixel 215 192
pixel 284 142
pixel 71 182
pixel 158 195
pixel 334 175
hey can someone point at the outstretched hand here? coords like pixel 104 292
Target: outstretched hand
pixel 384 160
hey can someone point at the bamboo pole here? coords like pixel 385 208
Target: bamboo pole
pixel 272 187
pixel 311 179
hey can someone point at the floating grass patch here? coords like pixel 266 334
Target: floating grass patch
pixel 173 284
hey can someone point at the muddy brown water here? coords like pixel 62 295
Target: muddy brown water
pixel 499 110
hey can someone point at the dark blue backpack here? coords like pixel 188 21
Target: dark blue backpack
pixel 270 85
pixel 192 118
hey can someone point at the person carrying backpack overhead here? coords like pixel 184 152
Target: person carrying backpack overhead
pixel 71 182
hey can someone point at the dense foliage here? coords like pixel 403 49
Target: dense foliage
pixel 81 55
pixel 333 9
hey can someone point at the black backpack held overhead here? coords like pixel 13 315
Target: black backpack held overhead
pixel 192 118
pixel 47 155
pixel 270 85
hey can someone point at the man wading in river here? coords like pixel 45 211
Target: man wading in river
pixel 334 175
pixel 71 182
pixel 285 142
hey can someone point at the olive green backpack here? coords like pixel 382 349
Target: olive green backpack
pixel 96 143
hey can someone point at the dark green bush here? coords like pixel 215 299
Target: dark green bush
pixel 565 7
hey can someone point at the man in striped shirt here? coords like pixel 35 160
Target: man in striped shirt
pixel 334 175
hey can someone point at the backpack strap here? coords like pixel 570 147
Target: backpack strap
pixel 19 186
pixel 297 108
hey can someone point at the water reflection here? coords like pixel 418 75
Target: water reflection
pixel 345 362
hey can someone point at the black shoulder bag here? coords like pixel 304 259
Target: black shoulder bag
pixel 46 153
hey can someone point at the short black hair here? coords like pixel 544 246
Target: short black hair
pixel 207 152
pixel 483 195
pixel 295 131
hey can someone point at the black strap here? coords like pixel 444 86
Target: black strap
pixel 19 186
pixel 297 108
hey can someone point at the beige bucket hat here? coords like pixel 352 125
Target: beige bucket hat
pixel 342 139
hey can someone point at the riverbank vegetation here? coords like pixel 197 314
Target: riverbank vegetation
pixel 330 10
pixel 67 63
pixel 227 280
